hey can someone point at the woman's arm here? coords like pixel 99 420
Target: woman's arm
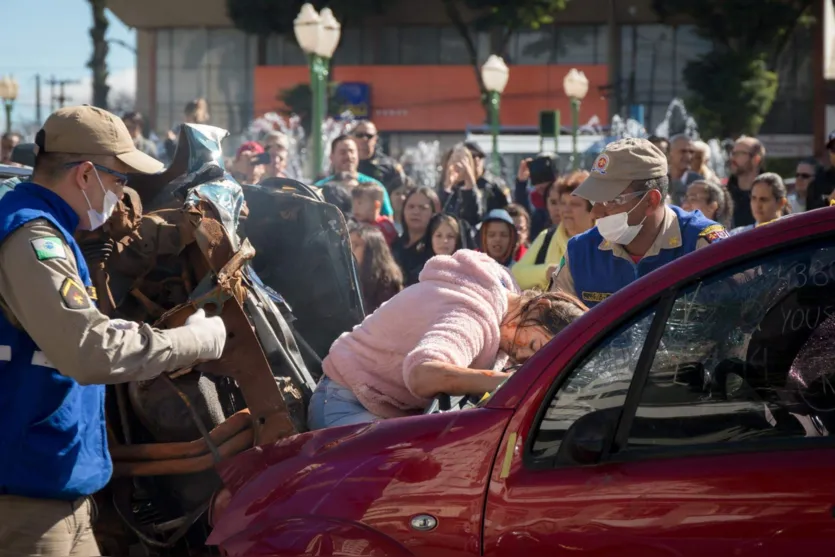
pixel 430 379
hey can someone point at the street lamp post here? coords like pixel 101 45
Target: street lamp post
pixel 9 89
pixel 318 35
pixel 576 86
pixel 495 74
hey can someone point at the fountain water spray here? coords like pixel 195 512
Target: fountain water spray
pixel 421 163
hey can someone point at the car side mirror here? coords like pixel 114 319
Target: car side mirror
pixel 586 439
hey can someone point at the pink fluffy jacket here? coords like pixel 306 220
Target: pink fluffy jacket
pixel 452 315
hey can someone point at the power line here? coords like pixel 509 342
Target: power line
pixel 61 98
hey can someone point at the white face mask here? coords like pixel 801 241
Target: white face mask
pixel 616 229
pixel 97 219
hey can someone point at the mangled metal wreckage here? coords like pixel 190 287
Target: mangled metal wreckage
pixel 276 265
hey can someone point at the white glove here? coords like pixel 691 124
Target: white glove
pixel 123 325
pixel 210 333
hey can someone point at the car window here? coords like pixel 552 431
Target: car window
pixel 600 382
pixel 746 355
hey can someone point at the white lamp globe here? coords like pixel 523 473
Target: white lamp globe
pixel 308 27
pixel 495 74
pixel 330 33
pixel 575 84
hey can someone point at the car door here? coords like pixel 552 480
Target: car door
pixel 702 426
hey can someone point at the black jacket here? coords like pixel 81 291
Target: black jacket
pixel 742 204
pixel 820 189
pixel 384 169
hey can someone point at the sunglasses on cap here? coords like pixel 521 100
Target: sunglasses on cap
pixel 121 179
pixel 803 175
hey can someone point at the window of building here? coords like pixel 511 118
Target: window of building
pixel 533 47
pixel 420 45
pixel 388 46
pixel 576 44
pixel 453 46
pixel 745 357
pixel 349 50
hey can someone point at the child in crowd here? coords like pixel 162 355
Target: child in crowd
pixel 366 203
pixel 499 237
pixel 445 235
pixel 380 276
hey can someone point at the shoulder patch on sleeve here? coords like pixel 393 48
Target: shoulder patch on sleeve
pixel 713 232
pixel 49 247
pixel 74 295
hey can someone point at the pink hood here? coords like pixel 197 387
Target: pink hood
pixel 452 315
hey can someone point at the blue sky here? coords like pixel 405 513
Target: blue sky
pixel 51 37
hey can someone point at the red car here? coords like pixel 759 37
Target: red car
pixel 687 415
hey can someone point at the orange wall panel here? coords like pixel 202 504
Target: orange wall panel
pixel 444 98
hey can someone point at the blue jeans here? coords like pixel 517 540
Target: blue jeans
pixel 333 405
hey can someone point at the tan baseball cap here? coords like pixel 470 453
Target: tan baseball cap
pixel 88 130
pixel 621 163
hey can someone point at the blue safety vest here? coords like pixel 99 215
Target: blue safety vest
pixel 599 273
pixel 53 442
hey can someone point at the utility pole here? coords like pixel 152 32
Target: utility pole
pixel 61 98
pixel 38 99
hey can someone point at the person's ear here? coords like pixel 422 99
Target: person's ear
pixel 377 205
pixel 714 206
pixel 84 175
pixel 654 200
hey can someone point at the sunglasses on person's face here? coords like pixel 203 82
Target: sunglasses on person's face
pixel 121 179
pixel 365 135
pixel 803 176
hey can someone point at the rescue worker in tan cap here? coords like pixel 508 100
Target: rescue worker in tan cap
pixel 56 350
pixel 635 232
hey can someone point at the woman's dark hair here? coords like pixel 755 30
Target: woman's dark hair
pixel 443 218
pixel 722 197
pixel 429 194
pixel 553 311
pixel 778 188
pixel 516 210
pixel 380 276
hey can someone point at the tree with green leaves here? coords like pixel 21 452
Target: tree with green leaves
pixel 275 17
pixel 734 85
pixel 502 18
pixel 98 61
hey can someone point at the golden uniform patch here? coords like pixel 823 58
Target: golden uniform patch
pixel 674 242
pixel 91 291
pixel 595 296
pixel 74 296
pixel 714 232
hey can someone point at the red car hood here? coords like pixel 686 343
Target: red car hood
pixel 367 474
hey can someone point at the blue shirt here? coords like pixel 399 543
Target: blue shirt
pixel 593 268
pixel 386 209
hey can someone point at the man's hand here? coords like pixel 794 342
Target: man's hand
pixel 467 172
pixel 123 325
pixel 210 333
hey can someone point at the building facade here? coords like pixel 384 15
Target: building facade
pixel 417 68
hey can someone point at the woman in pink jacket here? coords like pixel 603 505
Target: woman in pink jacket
pixel 452 333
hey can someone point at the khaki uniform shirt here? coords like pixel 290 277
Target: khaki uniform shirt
pixel 80 343
pixel 668 238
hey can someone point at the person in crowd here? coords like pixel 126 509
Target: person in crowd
pixel 247 167
pixel 680 160
pixel 822 189
pixel 451 333
pixel 499 238
pixel 522 220
pixel 340 196
pixel 398 198
pixel 367 199
pixel 458 191
pixel 806 173
pixel 534 270
pixel 769 201
pixel 60 350
pixel 445 235
pixel 135 124
pixel 635 232
pixel 494 191
pixel 373 161
pixel 535 200
pixel 344 161
pixel 747 159
pixel 8 142
pixel 410 250
pixel 712 199
pixel 196 112
pixel 662 143
pixel 380 277
pixel 701 161
pixel 277 145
